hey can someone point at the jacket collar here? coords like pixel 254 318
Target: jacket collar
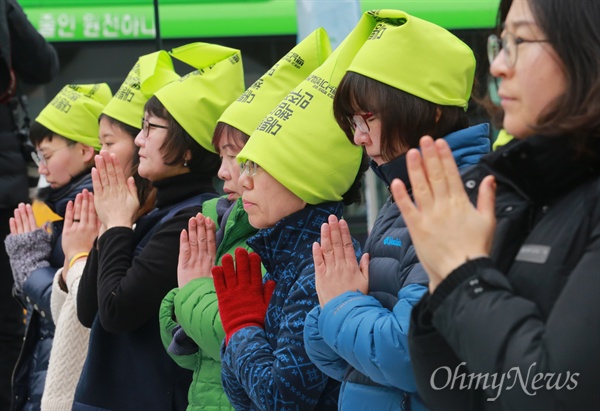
pixel 57 198
pixel 542 167
pixel 174 189
pixel 292 234
pixel 467 145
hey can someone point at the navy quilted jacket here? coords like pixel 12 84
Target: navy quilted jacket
pixel 269 369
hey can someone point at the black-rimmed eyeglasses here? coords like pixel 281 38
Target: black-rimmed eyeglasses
pixel 146 125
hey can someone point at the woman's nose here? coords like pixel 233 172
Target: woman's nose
pixel 245 181
pixel 360 138
pixel 223 173
pixel 139 139
pixel 42 168
pixel 499 68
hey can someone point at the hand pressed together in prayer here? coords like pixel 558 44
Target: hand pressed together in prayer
pixel 23 220
pixel 115 197
pixel 446 229
pixel 197 250
pixel 336 269
pixel 81 227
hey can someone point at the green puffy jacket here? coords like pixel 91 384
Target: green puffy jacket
pixel 196 310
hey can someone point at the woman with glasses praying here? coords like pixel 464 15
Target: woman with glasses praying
pixel 410 78
pixel 514 261
pixel 65 135
pixel 135 265
pixel 297 168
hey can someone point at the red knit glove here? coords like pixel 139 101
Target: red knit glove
pixel 243 300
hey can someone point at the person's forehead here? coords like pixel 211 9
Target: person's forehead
pixel 520 17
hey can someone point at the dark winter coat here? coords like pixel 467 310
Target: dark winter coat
pixel 33 61
pixel 527 319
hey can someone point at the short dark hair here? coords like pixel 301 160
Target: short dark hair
pixel 574 34
pixel 39 132
pixel 145 190
pixel 178 141
pixel 405 118
pixel 224 129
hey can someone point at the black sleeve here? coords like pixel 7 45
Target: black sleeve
pixel 429 352
pixel 87 295
pixel 496 331
pixel 34 60
pixel 130 289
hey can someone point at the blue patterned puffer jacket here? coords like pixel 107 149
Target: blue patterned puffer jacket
pixel 269 369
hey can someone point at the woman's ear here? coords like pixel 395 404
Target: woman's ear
pixel 438 114
pixel 87 153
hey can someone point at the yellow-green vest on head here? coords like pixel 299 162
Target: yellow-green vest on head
pixel 150 73
pixel 416 56
pixel 73 113
pixel 299 142
pixel 258 100
pixel 197 100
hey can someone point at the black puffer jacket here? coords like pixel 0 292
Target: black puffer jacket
pixel 33 61
pixel 526 320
